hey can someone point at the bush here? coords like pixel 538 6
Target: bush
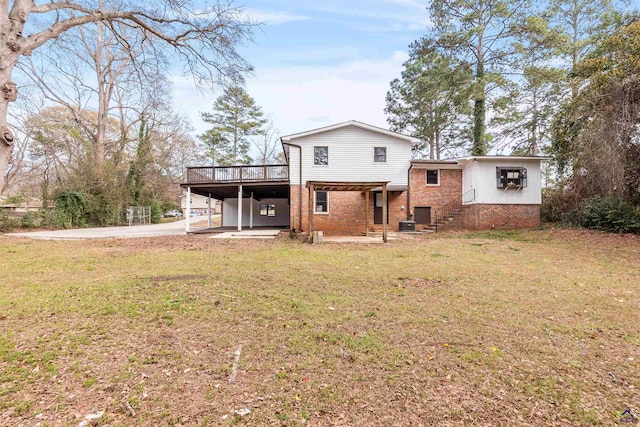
pixel 70 209
pixel 8 222
pixel 31 220
pixel 610 214
pixel 156 211
pixel 558 206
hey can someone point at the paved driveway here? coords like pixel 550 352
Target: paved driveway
pixel 166 229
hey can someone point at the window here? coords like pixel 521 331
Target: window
pixel 321 156
pixel 322 202
pixel 380 154
pixel 267 210
pixel 433 177
pixel 511 177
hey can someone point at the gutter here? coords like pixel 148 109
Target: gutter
pixel 300 181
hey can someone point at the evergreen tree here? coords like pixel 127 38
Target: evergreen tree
pixel 480 33
pixel 236 119
pixel 430 99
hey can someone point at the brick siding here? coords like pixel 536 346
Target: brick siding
pixel 500 217
pixel 435 196
pixel 346 212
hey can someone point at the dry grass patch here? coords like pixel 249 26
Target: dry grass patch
pixel 526 328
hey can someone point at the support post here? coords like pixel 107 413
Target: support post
pixel 240 207
pixel 251 211
pixel 187 211
pixel 311 209
pixel 384 213
pixel 209 211
pixel 367 193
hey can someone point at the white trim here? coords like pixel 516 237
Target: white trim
pixel 374 155
pixel 240 207
pixel 187 212
pixel 314 156
pixel 355 123
pixel 426 181
pixel 314 203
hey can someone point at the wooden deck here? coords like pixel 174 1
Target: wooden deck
pixel 237 174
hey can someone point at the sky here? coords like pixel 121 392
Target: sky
pixel 319 63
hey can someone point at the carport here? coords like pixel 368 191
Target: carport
pixel 242 182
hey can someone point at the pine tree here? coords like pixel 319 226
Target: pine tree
pixel 236 118
pixel 430 99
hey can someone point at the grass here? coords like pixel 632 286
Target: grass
pixel 494 328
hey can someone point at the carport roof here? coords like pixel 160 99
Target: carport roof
pixel 226 191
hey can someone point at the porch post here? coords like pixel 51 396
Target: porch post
pixel 384 213
pixel 209 211
pixel 240 207
pixel 251 211
pixel 311 208
pixel 187 211
pixel 366 212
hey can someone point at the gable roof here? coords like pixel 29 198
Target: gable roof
pixel 412 140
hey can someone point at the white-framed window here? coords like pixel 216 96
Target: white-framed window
pixel 511 177
pixel 432 177
pixel 321 202
pixel 321 156
pixel 267 210
pixel 380 154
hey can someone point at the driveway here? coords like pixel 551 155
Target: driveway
pixel 166 229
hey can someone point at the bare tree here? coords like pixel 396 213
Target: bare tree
pixel 267 144
pixel 204 39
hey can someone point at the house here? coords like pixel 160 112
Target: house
pixel 200 204
pixel 352 178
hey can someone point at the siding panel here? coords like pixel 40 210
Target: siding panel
pixel 351 157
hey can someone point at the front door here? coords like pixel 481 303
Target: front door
pixel 422 215
pixel 377 208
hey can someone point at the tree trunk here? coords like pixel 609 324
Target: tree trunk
pixel 533 150
pixel 479 108
pixel 7 94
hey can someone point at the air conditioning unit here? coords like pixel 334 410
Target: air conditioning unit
pixel 407 226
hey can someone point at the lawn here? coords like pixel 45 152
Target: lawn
pixel 520 328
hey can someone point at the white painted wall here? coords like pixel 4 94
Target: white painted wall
pixel 481 175
pixel 230 213
pixel 351 157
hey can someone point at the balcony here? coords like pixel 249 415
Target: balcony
pixel 237 174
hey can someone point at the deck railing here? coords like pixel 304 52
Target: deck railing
pixel 224 174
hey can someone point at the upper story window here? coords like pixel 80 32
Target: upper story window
pixel 380 154
pixel 433 177
pixel 511 177
pixel 321 155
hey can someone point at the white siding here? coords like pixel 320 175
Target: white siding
pixel 351 157
pixel 230 213
pixel 481 175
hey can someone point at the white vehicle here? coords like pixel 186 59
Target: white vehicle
pixel 173 213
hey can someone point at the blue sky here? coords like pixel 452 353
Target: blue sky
pixel 319 63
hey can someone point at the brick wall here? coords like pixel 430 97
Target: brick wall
pixel 500 217
pixel 437 196
pixel 397 210
pixel 346 212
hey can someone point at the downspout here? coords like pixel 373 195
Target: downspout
pixel 300 181
pixel 409 192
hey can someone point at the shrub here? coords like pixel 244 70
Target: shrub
pixel 558 206
pixel 610 214
pixel 156 211
pixel 70 209
pixel 8 222
pixel 31 220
